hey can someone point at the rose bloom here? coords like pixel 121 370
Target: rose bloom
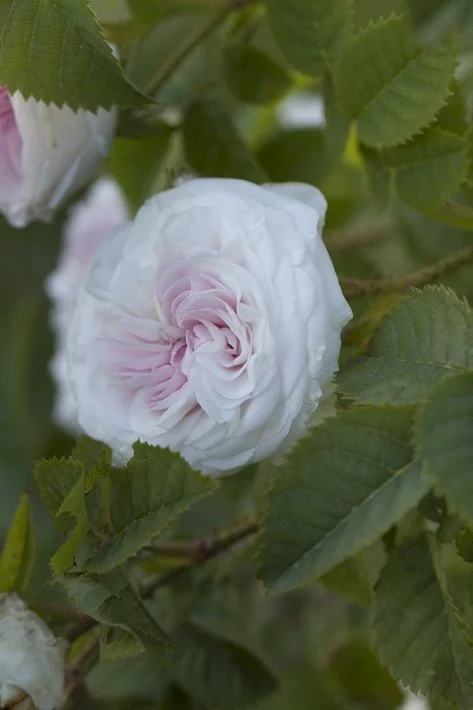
pixel 88 222
pixel 209 325
pixel 32 660
pixel 46 153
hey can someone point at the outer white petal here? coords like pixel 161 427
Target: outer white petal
pixel 61 150
pixel 32 660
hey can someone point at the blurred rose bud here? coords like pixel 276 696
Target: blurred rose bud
pixel 32 660
pixel 89 221
pixel 302 110
pixel 46 153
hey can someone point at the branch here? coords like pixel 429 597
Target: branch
pixel 359 235
pixel 166 70
pixel 196 553
pixel 358 288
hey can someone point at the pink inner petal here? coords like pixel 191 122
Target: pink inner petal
pixel 10 144
pixel 204 342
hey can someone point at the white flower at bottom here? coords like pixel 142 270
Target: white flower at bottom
pixel 32 660
pixel 209 325
pixel 89 221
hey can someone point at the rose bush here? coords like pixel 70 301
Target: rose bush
pixel 46 153
pixel 104 207
pixel 32 660
pixel 210 325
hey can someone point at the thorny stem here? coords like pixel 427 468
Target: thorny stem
pixel 166 70
pixel 197 553
pixel 358 288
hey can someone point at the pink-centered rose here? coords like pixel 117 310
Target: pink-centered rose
pixel 46 153
pixel 89 221
pixel 210 324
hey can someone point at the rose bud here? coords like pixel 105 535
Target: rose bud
pixel 88 222
pixel 210 324
pixel 32 660
pixel 46 153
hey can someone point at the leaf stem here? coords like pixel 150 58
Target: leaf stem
pixel 167 69
pixel 197 552
pixel 358 288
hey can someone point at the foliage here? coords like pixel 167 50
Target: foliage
pixel 343 573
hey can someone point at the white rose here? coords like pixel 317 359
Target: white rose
pixel 32 660
pixel 88 222
pixel 46 153
pixel 209 325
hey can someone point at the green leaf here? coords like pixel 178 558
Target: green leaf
pixel 351 580
pixel 445 440
pixel 342 488
pixel 16 561
pixel 111 600
pixel 392 87
pixel 429 168
pixel 453 115
pixel 91 452
pixel 54 50
pixel 296 156
pixel 464 544
pixel 312 35
pixel 135 163
pixel 370 686
pixel 427 337
pixel 253 76
pixel 55 479
pixel 218 673
pixel 73 504
pixel 117 643
pixel 213 146
pixel 155 488
pixel 417 629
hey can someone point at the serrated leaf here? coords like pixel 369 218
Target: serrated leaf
pixel 54 50
pixel 253 76
pixel 391 86
pixel 445 440
pixel 427 337
pixel 217 672
pixel 429 168
pixel 90 451
pixel 417 630
pixel 111 600
pixel 155 488
pixel 312 35
pixel 452 117
pixel 342 488
pixel 212 145
pixel 55 479
pixel 16 561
